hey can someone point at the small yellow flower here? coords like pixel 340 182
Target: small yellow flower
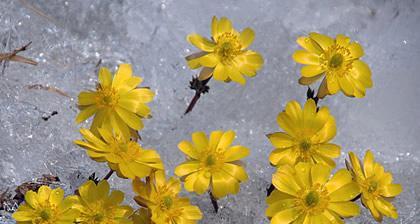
pixel 376 186
pixel 126 157
pixel 212 162
pixel 337 60
pixel 306 137
pixel 225 56
pixel 48 206
pixel 117 102
pixel 161 197
pixel 305 193
pixel 98 206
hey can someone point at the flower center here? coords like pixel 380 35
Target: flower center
pixel 98 218
pixel 167 202
pixel 228 47
pixel 372 187
pixel 45 215
pixel 107 97
pixel 336 61
pixel 210 161
pixel 305 145
pixel 312 199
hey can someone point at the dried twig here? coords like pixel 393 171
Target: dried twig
pixel 12 56
pixel 47 88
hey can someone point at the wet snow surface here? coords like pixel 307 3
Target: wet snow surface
pixel 69 37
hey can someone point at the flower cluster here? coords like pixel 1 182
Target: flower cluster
pixel 304 189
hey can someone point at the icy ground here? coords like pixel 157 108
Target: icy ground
pixel 69 37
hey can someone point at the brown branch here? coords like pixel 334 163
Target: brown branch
pixel 12 56
pixel 47 88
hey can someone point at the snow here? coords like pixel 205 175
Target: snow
pixel 69 38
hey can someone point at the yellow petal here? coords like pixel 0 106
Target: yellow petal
pixel 322 40
pixel 124 72
pixel 285 183
pixel 102 189
pixel 130 118
pixel 355 163
pixel 191 213
pixel 235 153
pixel 86 113
pixel 356 50
pixel 280 205
pixel 24 217
pixel 200 42
pixel 188 149
pixel 225 25
pixel 44 194
pixel 209 60
pixel 346 86
pixel 226 140
pixel 373 211
pixel 247 37
pixel 341 178
pixel 235 171
pixel 220 186
pixel 309 45
pixel 281 140
pixel 361 72
pixel 332 217
pixel 87 191
pixel 329 150
pixel 236 76
pixel 56 197
pixel 391 190
pixel 86 98
pixel 190 181
pixel 303 174
pixel 311 70
pixel 200 140
pixel 368 164
pixel 220 72
pixel 320 174
pixel 193 59
pixel 214 24
pixel 345 193
pixel 201 185
pixel 345 209
pixel 342 40
pixel 187 168
pixel 286 216
pixel 305 57
pixel 332 85
pixel 280 154
pixel 31 198
pixel 386 208
pixel 105 77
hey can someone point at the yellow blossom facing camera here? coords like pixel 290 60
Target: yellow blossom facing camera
pixel 306 137
pixel 376 186
pixel 337 60
pixel 126 157
pixel 47 206
pixel 212 163
pixel 225 56
pixel 160 196
pixel 117 102
pixel 98 206
pixel 305 193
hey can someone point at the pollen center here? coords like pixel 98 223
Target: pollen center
pixel 336 61
pixel 167 202
pixel 107 97
pixel 45 215
pixel 312 199
pixel 210 161
pixel 305 145
pixel 373 186
pixel 228 47
pixel 98 218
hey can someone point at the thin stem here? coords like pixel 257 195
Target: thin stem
pixel 200 87
pixel 214 202
pixel 108 175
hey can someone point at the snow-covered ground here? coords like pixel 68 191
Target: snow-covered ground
pixel 69 37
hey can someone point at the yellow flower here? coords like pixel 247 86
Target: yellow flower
pixel 161 197
pixel 376 186
pixel 48 206
pixel 306 136
pixel 225 56
pixel 338 60
pixel 117 102
pixel 97 206
pixel 212 162
pixel 126 157
pixel 305 194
